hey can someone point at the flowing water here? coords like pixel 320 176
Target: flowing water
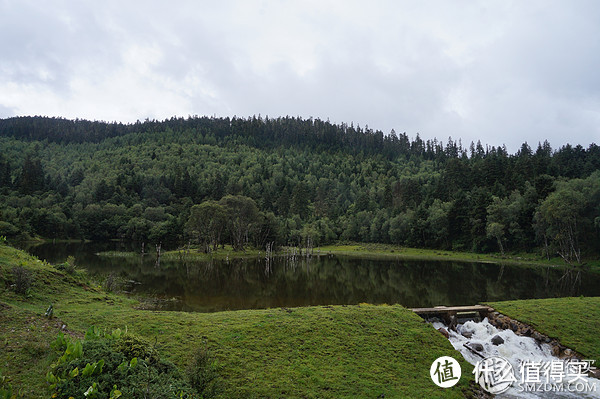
pixel 186 284
pixel 541 368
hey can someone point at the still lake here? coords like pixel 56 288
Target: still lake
pixel 203 286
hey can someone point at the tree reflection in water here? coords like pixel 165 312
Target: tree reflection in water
pixel 294 280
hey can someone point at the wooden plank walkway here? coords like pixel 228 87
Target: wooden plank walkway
pixel 451 314
pixel 453 309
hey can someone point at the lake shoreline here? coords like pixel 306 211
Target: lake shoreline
pixel 343 274
pixel 371 251
pixel 314 351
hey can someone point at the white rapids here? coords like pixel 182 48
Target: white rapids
pixel 517 349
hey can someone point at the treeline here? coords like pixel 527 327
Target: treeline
pixel 309 180
pixel 313 134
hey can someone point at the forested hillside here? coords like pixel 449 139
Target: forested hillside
pixel 289 180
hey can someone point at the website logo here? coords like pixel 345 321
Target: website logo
pixel 494 374
pixel 445 372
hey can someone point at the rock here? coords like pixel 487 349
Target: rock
pixel 444 332
pixel 514 326
pixel 453 323
pixel 500 322
pixel 537 336
pixel 555 350
pixel 467 334
pixel 568 352
pixel 497 340
pixel 476 346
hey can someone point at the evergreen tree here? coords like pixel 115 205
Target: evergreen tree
pixel 31 179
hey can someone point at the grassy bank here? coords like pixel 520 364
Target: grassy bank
pixel 392 251
pixel 372 250
pixel 368 250
pixel 221 253
pixel 326 352
pixel 575 322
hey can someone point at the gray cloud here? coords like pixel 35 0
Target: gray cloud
pixel 500 71
pixel 6 112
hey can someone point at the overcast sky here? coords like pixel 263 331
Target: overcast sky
pixel 501 71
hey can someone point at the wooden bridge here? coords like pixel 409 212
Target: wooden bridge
pixel 451 314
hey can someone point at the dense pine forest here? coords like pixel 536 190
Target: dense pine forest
pixel 256 181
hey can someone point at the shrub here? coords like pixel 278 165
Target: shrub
pixel 112 283
pixel 203 373
pixel 69 266
pixel 22 279
pixel 104 367
pixel 132 346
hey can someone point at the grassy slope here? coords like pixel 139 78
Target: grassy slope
pixel 325 352
pixel 575 322
pixel 25 335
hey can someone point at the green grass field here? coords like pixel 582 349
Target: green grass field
pixel 361 351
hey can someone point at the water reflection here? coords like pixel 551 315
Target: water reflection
pixel 322 280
